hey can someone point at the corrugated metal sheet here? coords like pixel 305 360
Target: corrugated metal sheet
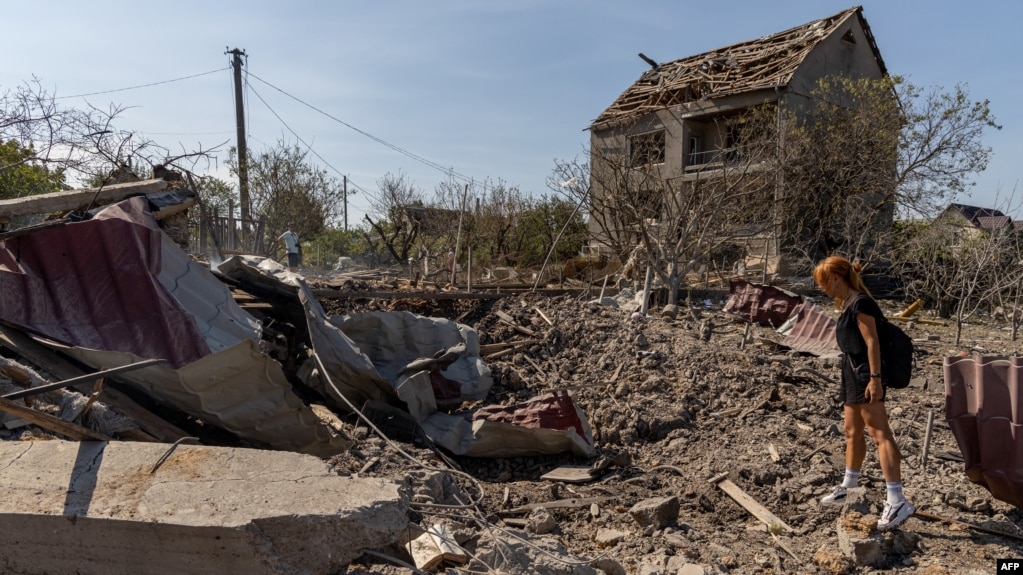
pixel 94 284
pixel 984 408
pixel 545 425
pixel 758 303
pixel 813 331
pixel 115 289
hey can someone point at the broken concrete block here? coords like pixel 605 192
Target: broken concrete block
pixel 858 538
pixel 608 537
pixel 832 561
pixel 608 565
pixel 435 546
pixel 540 521
pixel 658 512
pixel 97 507
pixel 523 554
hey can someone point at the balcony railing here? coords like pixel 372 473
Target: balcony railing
pixel 702 160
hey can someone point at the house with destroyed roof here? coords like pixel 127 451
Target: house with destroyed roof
pixel 682 120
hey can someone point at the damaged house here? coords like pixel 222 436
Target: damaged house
pixel 699 127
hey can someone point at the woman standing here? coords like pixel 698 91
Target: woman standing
pixel 863 390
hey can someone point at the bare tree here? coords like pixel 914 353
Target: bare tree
pixel 679 222
pixel 959 267
pixel 396 193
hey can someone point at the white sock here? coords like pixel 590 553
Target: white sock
pixel 851 479
pixel 894 490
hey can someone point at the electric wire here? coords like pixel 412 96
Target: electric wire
pixel 448 171
pixel 293 132
pixel 142 85
pixel 249 87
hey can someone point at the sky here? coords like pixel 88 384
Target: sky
pixel 491 90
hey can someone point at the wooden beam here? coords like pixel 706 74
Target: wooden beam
pixel 77 199
pixel 751 505
pixel 54 424
pixel 573 503
pixel 332 294
pixel 86 378
pixel 58 366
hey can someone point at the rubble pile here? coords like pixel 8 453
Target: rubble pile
pixel 506 430
pixel 671 408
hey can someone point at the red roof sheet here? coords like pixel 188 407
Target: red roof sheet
pixel 762 304
pixel 984 408
pixel 813 332
pixel 94 284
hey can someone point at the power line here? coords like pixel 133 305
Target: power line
pixel 293 133
pixel 394 147
pixel 142 85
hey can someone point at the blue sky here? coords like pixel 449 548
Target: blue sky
pixel 491 89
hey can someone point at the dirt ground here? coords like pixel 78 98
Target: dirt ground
pixel 670 408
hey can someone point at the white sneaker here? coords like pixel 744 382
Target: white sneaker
pixel 836 497
pixel 894 515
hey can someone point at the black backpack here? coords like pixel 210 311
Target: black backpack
pixel 896 357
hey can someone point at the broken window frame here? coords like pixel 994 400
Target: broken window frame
pixel 647 148
pixel 697 153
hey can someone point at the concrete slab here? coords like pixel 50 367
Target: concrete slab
pixel 95 507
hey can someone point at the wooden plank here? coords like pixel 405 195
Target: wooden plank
pixel 974 526
pixel 58 366
pixel 85 378
pixel 511 321
pixel 557 504
pixel 489 348
pixel 54 424
pixel 569 474
pixel 332 294
pixel 545 318
pixel 751 505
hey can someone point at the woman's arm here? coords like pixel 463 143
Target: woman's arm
pixel 868 329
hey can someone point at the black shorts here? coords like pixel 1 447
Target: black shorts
pixel 292 259
pixel 855 384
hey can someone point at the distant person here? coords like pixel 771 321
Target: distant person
pixel 863 387
pixel 290 241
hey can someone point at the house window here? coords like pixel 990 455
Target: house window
pixel 646 149
pixel 733 141
pixel 697 154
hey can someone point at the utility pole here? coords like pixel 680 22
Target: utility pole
pixel 243 155
pixel 345 192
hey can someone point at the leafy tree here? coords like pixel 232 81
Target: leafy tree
pixel 21 175
pixel 862 150
pixel 940 144
pixel 76 144
pixel 540 225
pixel 284 187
